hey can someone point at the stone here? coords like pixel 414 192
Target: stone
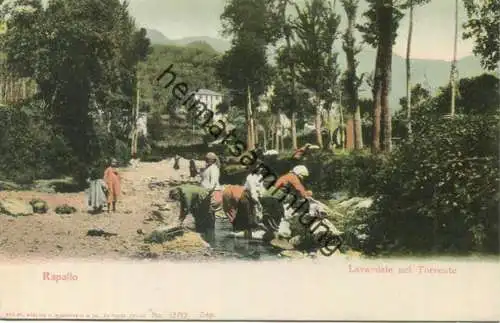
pixel 295 241
pixel 39 206
pixel 157 215
pixel 281 244
pixel 165 233
pixel 65 209
pixel 100 233
pixel 14 207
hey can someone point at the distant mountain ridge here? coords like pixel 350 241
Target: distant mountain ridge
pixel 430 73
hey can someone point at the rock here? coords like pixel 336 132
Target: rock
pixel 157 215
pixel 100 233
pixel 165 233
pixel 39 206
pixel 292 254
pixel 295 241
pixel 139 231
pixel 65 209
pixel 281 244
pixel 15 207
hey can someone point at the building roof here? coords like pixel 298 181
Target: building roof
pixel 206 92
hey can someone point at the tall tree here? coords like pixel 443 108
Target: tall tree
pixel 83 57
pixel 351 81
pixel 244 68
pixel 316 29
pixel 410 5
pixel 483 26
pixel 380 32
pixel 453 72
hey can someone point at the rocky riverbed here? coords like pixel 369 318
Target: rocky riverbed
pixel 58 225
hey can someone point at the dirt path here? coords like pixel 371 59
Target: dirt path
pixel 50 236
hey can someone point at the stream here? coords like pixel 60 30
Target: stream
pixel 224 243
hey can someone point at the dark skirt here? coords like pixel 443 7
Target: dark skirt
pixel 245 215
pixel 273 212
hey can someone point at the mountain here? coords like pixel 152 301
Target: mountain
pixel 157 38
pixel 430 73
pixel 219 45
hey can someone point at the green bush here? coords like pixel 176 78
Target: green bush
pixel 30 147
pixel 439 191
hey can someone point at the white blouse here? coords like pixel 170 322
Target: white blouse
pixel 210 177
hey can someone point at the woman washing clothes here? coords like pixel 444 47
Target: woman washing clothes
pixel 285 193
pixel 249 214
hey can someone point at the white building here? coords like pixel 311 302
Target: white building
pixel 211 98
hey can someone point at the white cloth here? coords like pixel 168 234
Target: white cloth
pixel 210 177
pixel 96 197
pixel 254 184
pixel 284 230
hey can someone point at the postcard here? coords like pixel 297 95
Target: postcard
pixel 249 160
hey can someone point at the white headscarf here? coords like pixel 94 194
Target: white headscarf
pixel 300 171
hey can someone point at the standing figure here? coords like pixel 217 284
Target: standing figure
pixel 301 152
pixel 96 193
pixel 193 171
pixel 112 180
pixel 176 162
pixel 210 180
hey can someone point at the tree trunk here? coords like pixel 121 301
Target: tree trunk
pixel 408 71
pixel 278 132
pixel 386 59
pixel 294 130
pixel 272 135
pixel 358 130
pixel 135 117
pixel 317 125
pixel 264 139
pixel 250 134
pixel 24 89
pixel 377 108
pixel 282 138
pixel 256 130
pixel 454 64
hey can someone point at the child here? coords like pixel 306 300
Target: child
pixel 176 162
pixel 112 180
pixel 193 171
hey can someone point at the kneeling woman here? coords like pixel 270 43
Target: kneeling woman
pixel 198 202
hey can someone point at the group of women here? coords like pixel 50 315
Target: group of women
pixel 248 207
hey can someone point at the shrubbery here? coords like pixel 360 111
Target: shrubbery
pixel 33 148
pixel 30 147
pixel 439 191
